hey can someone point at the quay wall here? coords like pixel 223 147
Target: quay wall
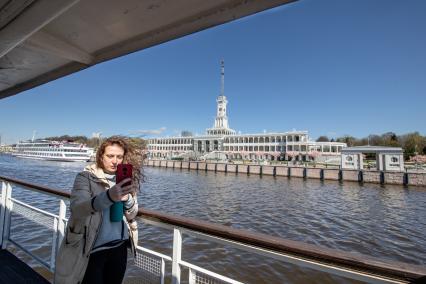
pixel 232 168
pixel 281 171
pixel 372 176
pixel 297 172
pixel 193 165
pixel 350 175
pixel 416 179
pixel 314 173
pixel 221 168
pixel 268 170
pixel 211 166
pixel 243 169
pixel 202 166
pixel 396 178
pixel 255 169
pixel 331 174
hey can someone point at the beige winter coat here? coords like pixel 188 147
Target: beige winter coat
pixel 83 226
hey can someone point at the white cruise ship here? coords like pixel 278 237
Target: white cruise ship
pixel 53 150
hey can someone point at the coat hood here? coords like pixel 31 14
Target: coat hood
pixel 97 172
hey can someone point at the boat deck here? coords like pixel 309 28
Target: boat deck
pixel 13 270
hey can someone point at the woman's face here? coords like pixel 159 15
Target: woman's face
pixel 112 156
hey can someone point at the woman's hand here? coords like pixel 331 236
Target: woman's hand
pixel 119 192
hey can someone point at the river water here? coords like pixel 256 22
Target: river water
pixel 387 222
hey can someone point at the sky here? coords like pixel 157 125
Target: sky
pixel 330 67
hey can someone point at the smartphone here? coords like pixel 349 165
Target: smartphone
pixel 123 171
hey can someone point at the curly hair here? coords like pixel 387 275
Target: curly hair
pixel 133 155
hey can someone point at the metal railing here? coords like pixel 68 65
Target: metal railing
pixel 152 264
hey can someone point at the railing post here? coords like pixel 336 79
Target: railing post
pixel 6 195
pixel 2 210
pixel 177 254
pixel 191 277
pixel 163 268
pixel 58 233
pixel 61 224
pixel 54 243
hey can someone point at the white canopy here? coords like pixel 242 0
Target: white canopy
pixel 42 40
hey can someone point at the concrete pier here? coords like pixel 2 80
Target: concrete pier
pixel 243 169
pixel 331 174
pixel 255 169
pixel 231 168
pixel 268 170
pixel 394 178
pixel 297 172
pixel 382 177
pixel 221 167
pixel 211 167
pixel 193 165
pixel 372 176
pixel 350 175
pixel 416 179
pixel 281 171
pixel 314 173
pixel 202 166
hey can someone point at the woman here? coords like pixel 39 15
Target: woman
pixel 94 248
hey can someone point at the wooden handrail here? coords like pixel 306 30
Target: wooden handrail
pixel 361 263
pixel 37 187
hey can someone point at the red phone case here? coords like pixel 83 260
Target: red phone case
pixel 123 171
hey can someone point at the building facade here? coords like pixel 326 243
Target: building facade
pixel 387 158
pixel 222 142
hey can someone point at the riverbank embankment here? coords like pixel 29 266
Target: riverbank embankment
pixel 368 176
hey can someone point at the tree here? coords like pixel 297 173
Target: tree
pixel 390 139
pixel 412 143
pixel 323 138
pixel 349 140
pixel 375 140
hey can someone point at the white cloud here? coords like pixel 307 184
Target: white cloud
pixel 149 131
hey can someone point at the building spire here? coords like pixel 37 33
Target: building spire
pixel 221 126
pixel 222 74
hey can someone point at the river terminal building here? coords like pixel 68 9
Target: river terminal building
pixel 223 143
